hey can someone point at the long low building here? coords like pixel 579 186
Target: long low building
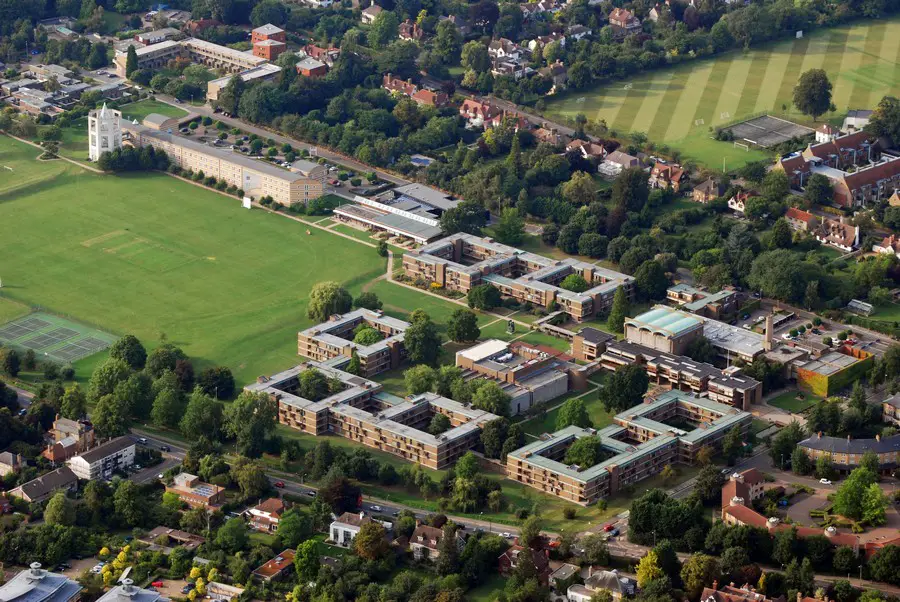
pixel 333 339
pixel 195 50
pixel 264 72
pixel 461 262
pixel 639 444
pixel 362 412
pixel 256 178
pixel 376 220
pixel 847 453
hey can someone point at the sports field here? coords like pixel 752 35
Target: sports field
pixel 140 109
pixel 148 254
pixel 53 337
pixel 677 106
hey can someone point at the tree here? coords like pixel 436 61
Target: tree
pixel 462 326
pixel 129 350
pixel 778 274
pixel 131 62
pixel 418 379
pixel 168 407
pixel 708 483
pixel 592 244
pixel 484 297
pixel 849 498
pixel 667 560
pixel 493 435
pixel 59 510
pixel 784 547
pixel 782 236
pixel 422 341
pixel 784 441
pixel 73 404
pixel 439 423
pixel 812 94
pixel 250 478
pixel 217 381
pixel 230 96
pixel 328 298
pixel 580 189
pixel 510 228
pixel 448 562
pixel 885 119
pixel 883 565
pixel 268 11
pixel 491 398
pixel 106 377
pixel 161 359
pixel 595 549
pixel 367 300
pixel 469 217
pixel 844 560
pixel 232 536
pixel 573 412
pixel 367 336
pixel 585 452
pixel 575 283
pixel 800 462
pixel 383 29
pixel 203 416
pixel 732 445
pixel 698 572
pixel 306 560
pixel 819 190
pixel 648 569
pixel 619 311
pixel 312 385
pixel 650 281
pixel 475 56
pixel 631 189
pixel 109 417
pixel 874 503
pixel 701 349
pixel 129 504
pixel 447 41
pixel 870 462
pixel 250 420
pixel 371 542
pixel 625 388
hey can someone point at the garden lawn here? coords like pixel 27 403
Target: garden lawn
pixel 794 401
pixel 678 106
pixel 489 590
pixel 547 423
pixel 151 255
pixel 140 109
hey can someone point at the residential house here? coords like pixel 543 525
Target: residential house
pixel 707 191
pixel 623 22
pixel 578 32
pixel 731 593
pixel 564 576
pixel 400 86
pixel 195 27
pixel 738 202
pixel 618 586
pixel 531 10
pixel 587 149
pixel 461 24
pixel 195 493
pixel 310 67
pixel 667 176
pixel 826 133
pixel 46 485
pixel 346 527
pixel 368 14
pixel 103 460
pixel 894 201
pixel 172 538
pixel 837 234
pixel 549 136
pixel 266 515
pixel 657 11
pixel 504 49
pixel 277 568
pixel 511 558
pixel 431 98
pixel 889 245
pixel 409 30
pixel 10 462
pixel 800 220
pixel 326 55
pixel 426 541
pixel 477 113
pixel 223 592
pixel 746 485
pixel 856 120
pixel 542 41
pixel 556 73
pixel 319 3
pixel 615 162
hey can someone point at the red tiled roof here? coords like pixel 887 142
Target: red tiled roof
pixel 803 216
pixel 746 516
pixel 824 149
pixel 733 489
pixel 273 505
pixel 753 476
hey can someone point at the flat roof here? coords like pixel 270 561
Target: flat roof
pixel 427 194
pixel 707 299
pixel 236 55
pixel 830 363
pixel 268 29
pixel 249 75
pixel 484 350
pixel 733 338
pixel 390 221
pixel 666 320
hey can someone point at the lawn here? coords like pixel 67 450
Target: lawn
pixel 547 423
pixel 679 105
pixel 10 310
pixel 150 255
pixel 489 590
pixel 140 109
pixel 794 401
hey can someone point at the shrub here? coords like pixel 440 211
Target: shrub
pixel 569 513
pixel 192 125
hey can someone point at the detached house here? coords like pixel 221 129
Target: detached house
pixel 556 73
pixel 890 244
pixel 368 15
pixel 511 558
pixel 504 49
pixel 345 529
pixel 266 516
pixel 10 462
pixel 426 540
pixel 799 220
pixel 476 113
pixel 43 487
pixel 667 176
pixel 409 30
pixel 706 192
pixel 738 202
pixel 597 580
pixel 587 149
pixel 838 234
pixel 624 22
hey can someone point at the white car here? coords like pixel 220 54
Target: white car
pixel 825 481
pixel 506 535
pixel 376 508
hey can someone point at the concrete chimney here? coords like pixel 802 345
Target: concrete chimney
pixel 770 333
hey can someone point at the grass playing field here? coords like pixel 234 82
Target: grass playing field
pixel 148 254
pixel 140 109
pixel 677 106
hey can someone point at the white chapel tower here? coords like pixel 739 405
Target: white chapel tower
pixel 104 131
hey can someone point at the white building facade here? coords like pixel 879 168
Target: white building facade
pixel 102 461
pixel 104 131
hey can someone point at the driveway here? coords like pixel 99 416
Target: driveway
pixel 802 504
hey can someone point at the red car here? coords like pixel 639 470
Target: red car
pixel 157 584
pixel 279 484
pixel 608 527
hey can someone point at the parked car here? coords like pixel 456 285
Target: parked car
pixel 165 448
pixel 376 508
pixel 608 527
pixel 311 493
pixel 506 535
pixel 395 514
pixel 824 481
pixel 187 588
pixel 279 484
pixel 142 440
pixel 157 584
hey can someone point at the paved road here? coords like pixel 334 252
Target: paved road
pixel 24 397
pixel 332 157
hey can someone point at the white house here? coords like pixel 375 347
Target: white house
pixel 345 529
pixel 101 461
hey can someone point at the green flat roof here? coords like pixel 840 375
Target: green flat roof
pixel 666 320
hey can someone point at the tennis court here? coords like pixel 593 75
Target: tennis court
pixel 766 131
pixel 54 337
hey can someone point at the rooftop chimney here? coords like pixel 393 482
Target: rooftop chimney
pixel 770 331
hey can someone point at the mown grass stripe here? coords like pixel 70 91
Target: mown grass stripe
pixel 774 72
pixel 885 74
pixel 707 105
pixel 635 115
pixel 830 45
pixel 862 84
pixel 754 83
pixel 851 58
pixel 681 123
pixel 732 89
pixel 665 113
pixel 791 73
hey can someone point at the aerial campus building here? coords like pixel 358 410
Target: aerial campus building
pixel 362 412
pixel 640 442
pixel 462 261
pixel 334 338
pixel 256 178
pixel 104 131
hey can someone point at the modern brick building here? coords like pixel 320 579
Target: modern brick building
pixel 640 442
pixel 362 412
pixel 462 261
pixel 256 178
pixel 196 493
pixel 334 338
pixel 262 73
pixel 268 41
pixel 719 305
